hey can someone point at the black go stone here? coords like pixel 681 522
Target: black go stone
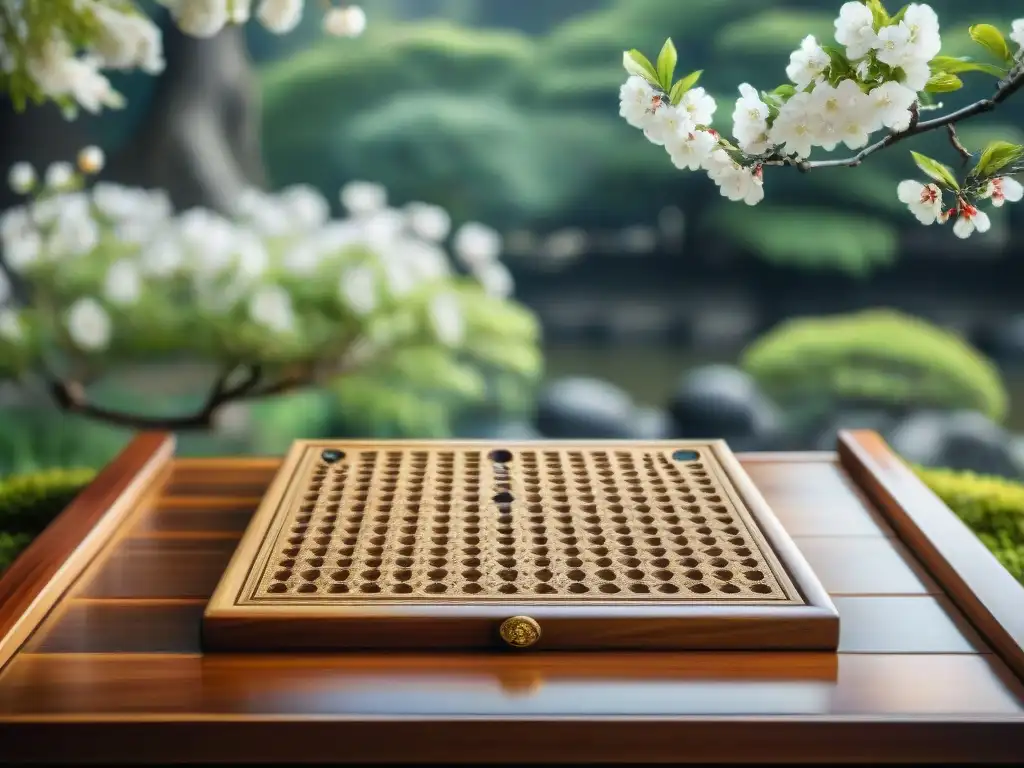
pixel 330 456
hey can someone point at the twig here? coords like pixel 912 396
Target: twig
pixel 1007 87
pixel 957 145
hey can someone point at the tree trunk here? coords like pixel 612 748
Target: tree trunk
pixel 201 139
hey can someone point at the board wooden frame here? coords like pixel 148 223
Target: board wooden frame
pixel 231 622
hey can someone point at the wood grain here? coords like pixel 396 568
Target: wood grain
pixel 977 584
pixel 36 579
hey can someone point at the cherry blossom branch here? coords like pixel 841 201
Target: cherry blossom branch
pixel 1007 88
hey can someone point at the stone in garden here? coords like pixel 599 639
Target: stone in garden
pixel 963 440
pixel 580 407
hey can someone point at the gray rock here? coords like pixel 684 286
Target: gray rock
pixel 963 440
pixel 585 408
pixel 652 424
pixel 720 401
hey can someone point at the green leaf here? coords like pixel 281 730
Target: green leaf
pixel 936 170
pixel 992 40
pixel 952 64
pixel 637 64
pixel 680 88
pixel 899 15
pixel 840 66
pixel 943 82
pixel 785 91
pixel 997 156
pixel 667 64
pixel 879 15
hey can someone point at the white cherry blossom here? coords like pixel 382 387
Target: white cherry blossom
pixel 199 18
pixel 925 38
pixel 750 121
pixel 924 200
pixel 734 181
pixel 431 222
pixel 496 280
pixel 890 106
pixel 348 21
pixel 91 160
pixel 797 126
pixel 363 197
pixel 358 289
pixel 638 101
pixel 280 16
pixel 88 325
pixel 807 63
pixel 699 105
pixel 855 30
pixel 843 114
pixel 894 47
pixel 21 178
pixel 59 175
pixel 271 307
pixel 127 40
pixel 666 122
pixel 970 220
pixel 691 150
pixel 1017 35
pixel 1003 190
pixel 123 284
pixel 476 244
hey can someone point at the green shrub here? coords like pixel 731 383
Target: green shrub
pixel 29 502
pixel 992 507
pixel 878 357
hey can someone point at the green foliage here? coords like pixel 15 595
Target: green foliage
pixel 992 507
pixel 420 391
pixel 29 502
pixel 995 157
pixel 409 144
pixel 793 236
pixel 877 356
pixel 35 438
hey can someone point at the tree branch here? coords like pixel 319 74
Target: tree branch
pixel 71 396
pixel 1013 82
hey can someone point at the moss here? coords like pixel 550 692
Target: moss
pixel 992 507
pixel 29 502
pixel 877 357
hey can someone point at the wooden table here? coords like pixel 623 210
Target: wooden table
pixel 100 655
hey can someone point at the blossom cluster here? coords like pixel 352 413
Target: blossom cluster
pixel 837 96
pixel 281 279
pixel 82 38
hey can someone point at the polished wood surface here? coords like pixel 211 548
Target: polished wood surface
pixel 115 672
pixel 37 578
pixel 976 582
